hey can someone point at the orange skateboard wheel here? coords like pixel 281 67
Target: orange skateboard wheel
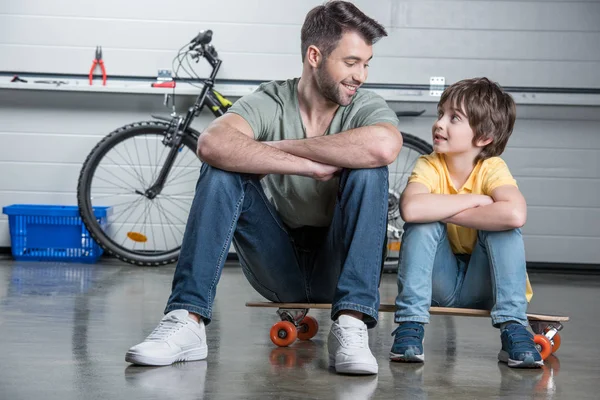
pixel 545 346
pixel 556 343
pixel 283 333
pixel 307 328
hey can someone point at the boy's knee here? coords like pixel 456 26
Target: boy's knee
pixel 491 235
pixel 424 229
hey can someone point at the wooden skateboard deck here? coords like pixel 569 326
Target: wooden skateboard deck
pixel 462 312
pixel 295 324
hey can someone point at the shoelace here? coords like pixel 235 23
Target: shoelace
pixel 354 337
pixel 165 329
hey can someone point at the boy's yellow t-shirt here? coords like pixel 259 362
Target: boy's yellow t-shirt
pixel 431 170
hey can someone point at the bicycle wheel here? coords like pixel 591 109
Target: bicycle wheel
pixel 141 229
pixel 400 171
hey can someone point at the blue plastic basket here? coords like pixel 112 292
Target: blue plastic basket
pixel 41 232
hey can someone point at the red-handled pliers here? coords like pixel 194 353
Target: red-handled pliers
pixel 98 60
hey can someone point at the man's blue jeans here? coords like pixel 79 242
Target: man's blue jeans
pixel 493 277
pixel 339 264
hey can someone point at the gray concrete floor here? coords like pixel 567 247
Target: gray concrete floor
pixel 65 328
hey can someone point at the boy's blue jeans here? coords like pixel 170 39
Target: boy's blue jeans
pixel 429 274
pixel 339 264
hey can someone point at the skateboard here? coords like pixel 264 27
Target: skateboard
pixel 295 324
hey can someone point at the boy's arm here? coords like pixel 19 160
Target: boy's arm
pixel 228 143
pixel 364 147
pixel 509 211
pixel 418 205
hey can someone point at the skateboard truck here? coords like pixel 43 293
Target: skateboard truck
pixel 292 315
pixel 547 339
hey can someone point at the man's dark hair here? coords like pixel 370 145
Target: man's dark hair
pixel 324 25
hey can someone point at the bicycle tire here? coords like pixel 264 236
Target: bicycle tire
pixel 84 187
pixel 415 143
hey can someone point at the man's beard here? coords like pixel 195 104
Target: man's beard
pixel 329 88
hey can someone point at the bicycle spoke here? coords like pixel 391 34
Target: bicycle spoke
pixel 183 169
pixel 120 204
pixel 139 161
pixel 180 175
pixel 121 187
pixel 149 160
pixel 137 176
pixel 177 205
pixel 190 193
pixel 170 226
pixel 175 216
pixel 180 198
pixel 188 181
pixel 122 212
pixel 115 216
pixel 132 230
pixel 102 196
pixel 106 168
pixel 132 165
pixel 152 227
pixel 145 220
pixel 161 223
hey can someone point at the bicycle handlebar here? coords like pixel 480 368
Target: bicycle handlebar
pixel 202 38
pixel 201 44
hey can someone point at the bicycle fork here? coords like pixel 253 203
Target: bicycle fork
pixel 175 142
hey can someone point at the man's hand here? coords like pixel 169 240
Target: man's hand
pixel 365 147
pixel 317 170
pixel 323 172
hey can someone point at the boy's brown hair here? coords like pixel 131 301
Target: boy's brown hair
pixel 490 110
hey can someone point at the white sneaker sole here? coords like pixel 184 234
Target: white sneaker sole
pixel 353 368
pixel 529 362
pixel 187 355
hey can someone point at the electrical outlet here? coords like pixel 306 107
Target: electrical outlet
pixel 436 85
pixel 164 75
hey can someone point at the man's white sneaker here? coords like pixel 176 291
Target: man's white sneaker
pixel 176 338
pixel 348 344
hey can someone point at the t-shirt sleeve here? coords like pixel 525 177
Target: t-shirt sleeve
pixel 259 110
pixel 424 172
pixel 373 111
pixel 497 174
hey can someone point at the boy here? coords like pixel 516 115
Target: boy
pixel 462 243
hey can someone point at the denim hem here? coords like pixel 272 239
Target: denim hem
pixel 498 320
pixel 370 313
pixel 205 313
pixel 423 320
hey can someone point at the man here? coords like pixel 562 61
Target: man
pixel 322 146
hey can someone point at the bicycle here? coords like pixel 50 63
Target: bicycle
pixel 120 172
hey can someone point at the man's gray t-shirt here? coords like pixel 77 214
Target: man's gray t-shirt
pixel 273 113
